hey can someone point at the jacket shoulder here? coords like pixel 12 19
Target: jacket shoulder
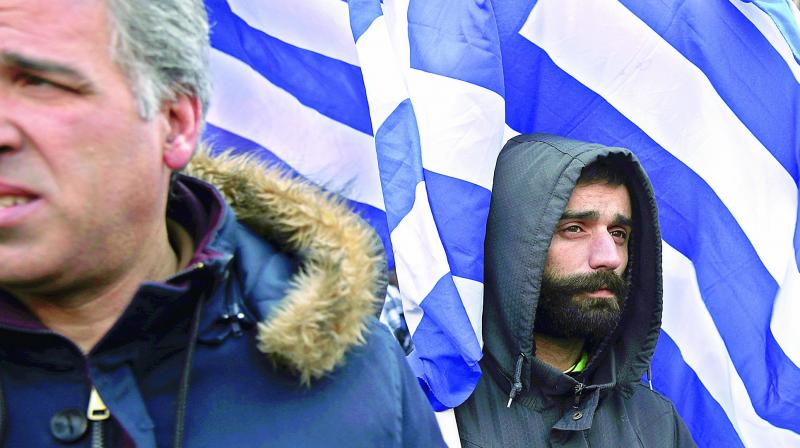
pixel 656 419
pixel 379 368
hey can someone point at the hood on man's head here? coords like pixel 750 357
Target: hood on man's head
pixel 533 181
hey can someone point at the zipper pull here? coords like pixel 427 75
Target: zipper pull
pixel 578 390
pixel 577 414
pixel 97 409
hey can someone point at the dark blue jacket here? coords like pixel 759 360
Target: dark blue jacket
pixel 279 301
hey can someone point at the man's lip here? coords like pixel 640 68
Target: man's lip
pixel 9 189
pixel 602 293
pixel 15 215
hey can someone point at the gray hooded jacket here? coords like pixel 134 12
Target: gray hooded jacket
pixel 607 405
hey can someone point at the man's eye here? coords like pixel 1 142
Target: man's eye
pixel 573 229
pixel 29 80
pixel 619 235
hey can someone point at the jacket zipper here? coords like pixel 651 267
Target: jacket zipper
pixel 576 409
pixel 97 413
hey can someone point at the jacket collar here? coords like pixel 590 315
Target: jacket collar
pixel 321 313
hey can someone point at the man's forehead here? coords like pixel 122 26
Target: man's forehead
pixel 595 200
pixel 40 19
pixel 43 8
pixel 54 34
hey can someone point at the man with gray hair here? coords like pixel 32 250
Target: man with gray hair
pixel 141 307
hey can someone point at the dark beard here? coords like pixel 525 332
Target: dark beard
pixel 561 313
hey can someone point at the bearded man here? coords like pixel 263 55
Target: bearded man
pixel 572 307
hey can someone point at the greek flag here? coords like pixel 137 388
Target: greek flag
pixel 401 106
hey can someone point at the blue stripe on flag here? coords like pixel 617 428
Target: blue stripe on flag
pixel 330 86
pixel 464 232
pixel 797 236
pixel 737 289
pixel 399 160
pixel 704 417
pixel 781 14
pixel 362 14
pixel 727 266
pixel 453 39
pixel 731 62
pixel 223 140
pixel 445 360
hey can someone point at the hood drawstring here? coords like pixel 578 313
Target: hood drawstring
pixel 183 390
pixel 517 386
pixel 650 376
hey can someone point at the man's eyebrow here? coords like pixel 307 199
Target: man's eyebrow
pixel 592 215
pixel 622 220
pixel 41 66
pixel 589 215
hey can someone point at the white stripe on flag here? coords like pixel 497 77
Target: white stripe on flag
pixel 509 133
pixel 796 12
pixel 766 25
pixel 471 293
pixel 447 110
pixel 383 77
pixel 449 427
pixel 395 13
pixel 292 21
pixel 419 256
pixel 348 164
pixel 687 321
pixel 785 312
pixel 672 101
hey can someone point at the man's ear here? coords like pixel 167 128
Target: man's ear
pixel 183 130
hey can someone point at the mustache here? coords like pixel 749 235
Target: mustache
pixel 584 283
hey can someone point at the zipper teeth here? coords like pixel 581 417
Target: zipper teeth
pixel 98 435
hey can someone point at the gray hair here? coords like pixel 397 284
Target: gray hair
pixel 162 46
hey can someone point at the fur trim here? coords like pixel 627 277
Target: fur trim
pixel 322 315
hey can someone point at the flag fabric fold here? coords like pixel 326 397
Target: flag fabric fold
pixel 421 193
pixel 401 107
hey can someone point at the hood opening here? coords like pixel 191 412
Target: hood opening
pixel 534 179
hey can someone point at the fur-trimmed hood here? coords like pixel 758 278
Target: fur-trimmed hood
pixel 342 265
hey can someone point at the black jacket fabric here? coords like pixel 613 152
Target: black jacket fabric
pixel 607 405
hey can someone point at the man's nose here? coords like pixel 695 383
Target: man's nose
pixel 10 136
pixel 605 253
pixel 8 141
